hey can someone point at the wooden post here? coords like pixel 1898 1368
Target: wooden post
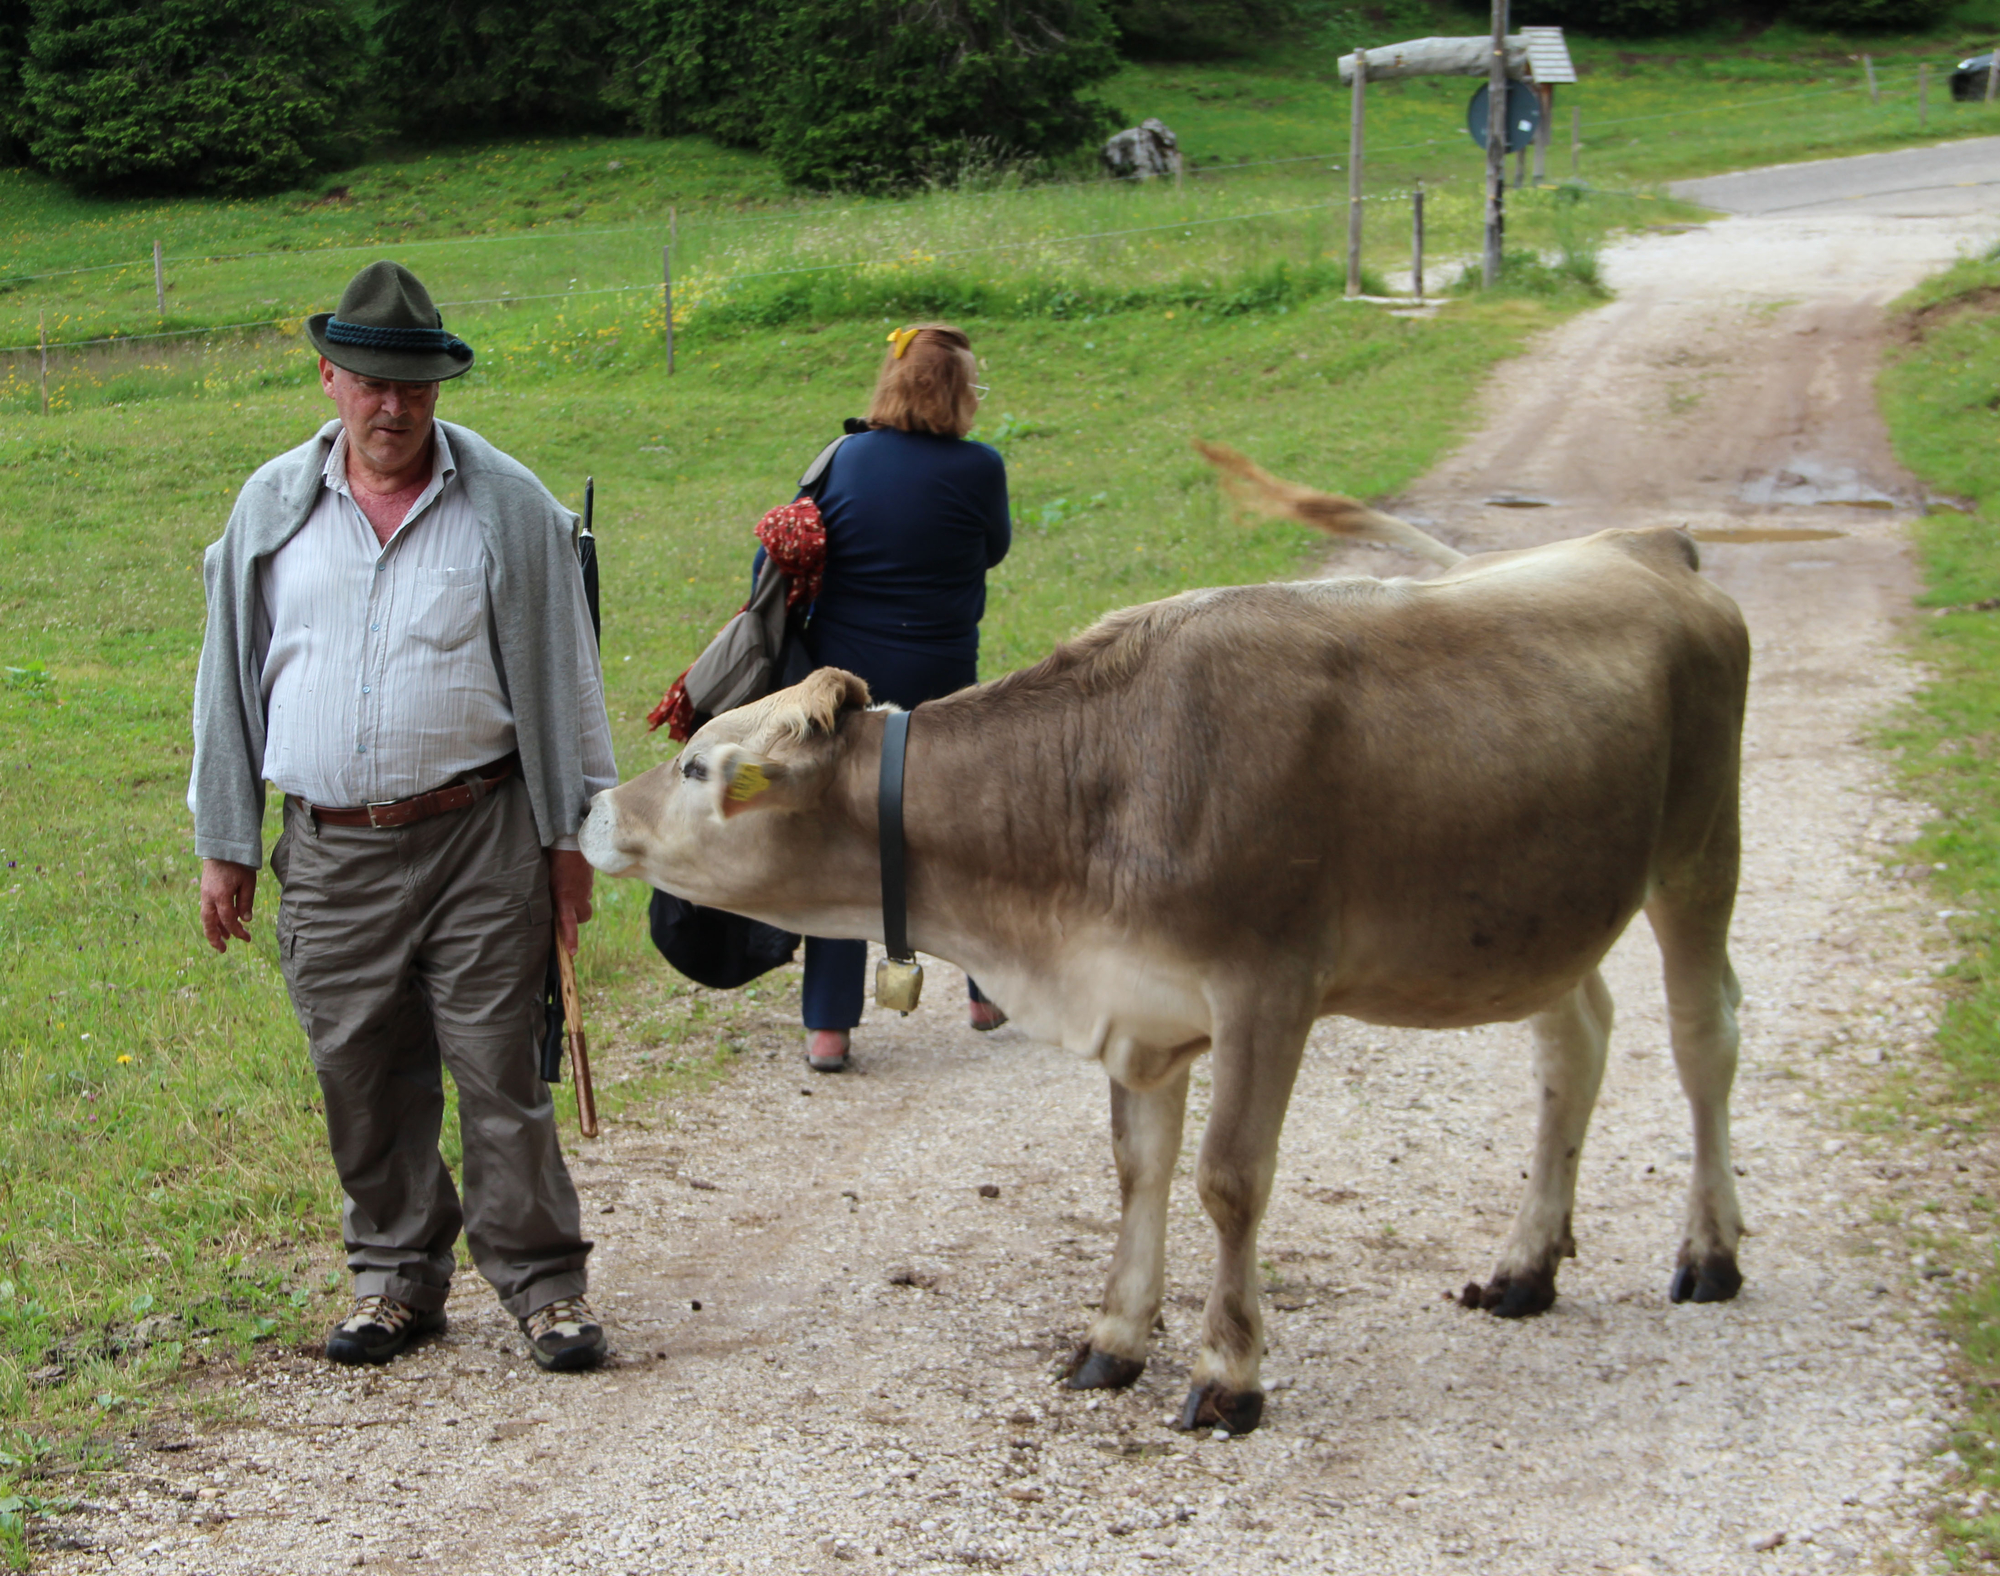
pixel 1923 95
pixel 1575 137
pixel 1417 240
pixel 1993 75
pixel 1354 153
pixel 45 361
pixel 1868 65
pixel 160 280
pixel 1543 130
pixel 1496 148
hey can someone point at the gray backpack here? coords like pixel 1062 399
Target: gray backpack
pixel 746 660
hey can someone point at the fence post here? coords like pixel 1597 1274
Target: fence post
pixel 160 280
pixel 1417 239
pixel 1868 65
pixel 1575 137
pixel 1544 129
pixel 1923 95
pixel 1354 154
pixel 1993 75
pixel 45 360
pixel 667 297
pixel 1496 148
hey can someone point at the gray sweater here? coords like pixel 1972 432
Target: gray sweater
pixel 531 588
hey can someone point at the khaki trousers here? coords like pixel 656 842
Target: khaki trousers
pixel 404 951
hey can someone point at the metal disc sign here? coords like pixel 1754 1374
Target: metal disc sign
pixel 1524 114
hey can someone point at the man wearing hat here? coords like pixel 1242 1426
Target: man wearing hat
pixel 398 641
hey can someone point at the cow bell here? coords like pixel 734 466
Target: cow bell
pixel 898 984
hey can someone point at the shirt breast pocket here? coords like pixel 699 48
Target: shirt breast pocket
pixel 446 607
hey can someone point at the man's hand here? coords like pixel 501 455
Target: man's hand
pixel 570 875
pixel 228 893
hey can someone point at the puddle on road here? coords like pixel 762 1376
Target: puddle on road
pixel 1806 482
pixel 1761 533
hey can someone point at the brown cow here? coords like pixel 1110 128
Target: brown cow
pixel 1208 821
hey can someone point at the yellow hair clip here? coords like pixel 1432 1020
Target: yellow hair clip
pixel 900 338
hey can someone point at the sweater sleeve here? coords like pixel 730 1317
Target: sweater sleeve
pixel 600 767
pixel 999 520
pixel 226 783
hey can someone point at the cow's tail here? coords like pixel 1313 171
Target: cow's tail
pixel 1251 484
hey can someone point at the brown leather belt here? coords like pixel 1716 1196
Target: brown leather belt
pixel 420 807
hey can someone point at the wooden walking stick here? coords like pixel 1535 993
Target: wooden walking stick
pixel 579 1049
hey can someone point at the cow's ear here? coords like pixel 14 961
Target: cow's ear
pixel 740 779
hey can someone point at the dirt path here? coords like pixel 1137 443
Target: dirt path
pixel 865 1382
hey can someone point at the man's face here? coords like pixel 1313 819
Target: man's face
pixel 389 423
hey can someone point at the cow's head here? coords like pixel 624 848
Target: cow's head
pixel 751 816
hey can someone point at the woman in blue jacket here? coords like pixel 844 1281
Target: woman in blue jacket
pixel 915 515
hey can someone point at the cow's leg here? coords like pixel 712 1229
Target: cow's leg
pixel 1254 1070
pixel 1702 997
pixel 1570 1041
pixel 1146 1139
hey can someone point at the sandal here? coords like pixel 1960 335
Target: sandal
pixel 826 1050
pixel 985 1015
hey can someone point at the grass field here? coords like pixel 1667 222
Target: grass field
pixel 1938 395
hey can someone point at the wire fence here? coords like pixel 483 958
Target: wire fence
pixel 1877 84
pixel 1884 81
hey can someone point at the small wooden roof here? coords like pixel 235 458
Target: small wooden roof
pixel 1548 55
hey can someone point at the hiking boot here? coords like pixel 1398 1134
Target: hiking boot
pixel 378 1328
pixel 564 1336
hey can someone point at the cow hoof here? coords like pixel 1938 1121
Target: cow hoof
pixel 1512 1296
pixel 1094 1370
pixel 1212 1406
pixel 1715 1279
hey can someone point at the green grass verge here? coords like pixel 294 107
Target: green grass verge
pixel 165 1202
pixel 1938 392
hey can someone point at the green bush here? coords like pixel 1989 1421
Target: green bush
pixel 14 20
pixel 467 68
pixel 1202 29
pixel 1867 16
pixel 697 65
pixel 1617 18
pixel 229 95
pixel 871 94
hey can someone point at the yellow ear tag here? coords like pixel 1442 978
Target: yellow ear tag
pixel 747 781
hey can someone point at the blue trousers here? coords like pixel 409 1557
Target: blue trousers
pixel 906 676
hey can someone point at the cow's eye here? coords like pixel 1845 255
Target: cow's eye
pixel 695 770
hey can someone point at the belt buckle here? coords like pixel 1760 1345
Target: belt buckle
pixel 380 804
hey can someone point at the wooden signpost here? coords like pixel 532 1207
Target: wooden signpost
pixel 1535 55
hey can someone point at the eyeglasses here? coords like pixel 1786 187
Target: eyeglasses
pixel 980 390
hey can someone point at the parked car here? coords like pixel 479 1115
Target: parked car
pixel 1969 80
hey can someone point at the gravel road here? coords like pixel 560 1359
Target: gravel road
pixel 833 1352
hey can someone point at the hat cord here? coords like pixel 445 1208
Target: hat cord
pixel 368 335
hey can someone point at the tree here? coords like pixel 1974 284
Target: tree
pixel 871 94
pixel 1867 16
pixel 229 95
pixel 1202 29
pixel 1617 18
pixel 14 21
pixel 481 67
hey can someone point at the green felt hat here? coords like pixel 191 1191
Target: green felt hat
pixel 386 327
